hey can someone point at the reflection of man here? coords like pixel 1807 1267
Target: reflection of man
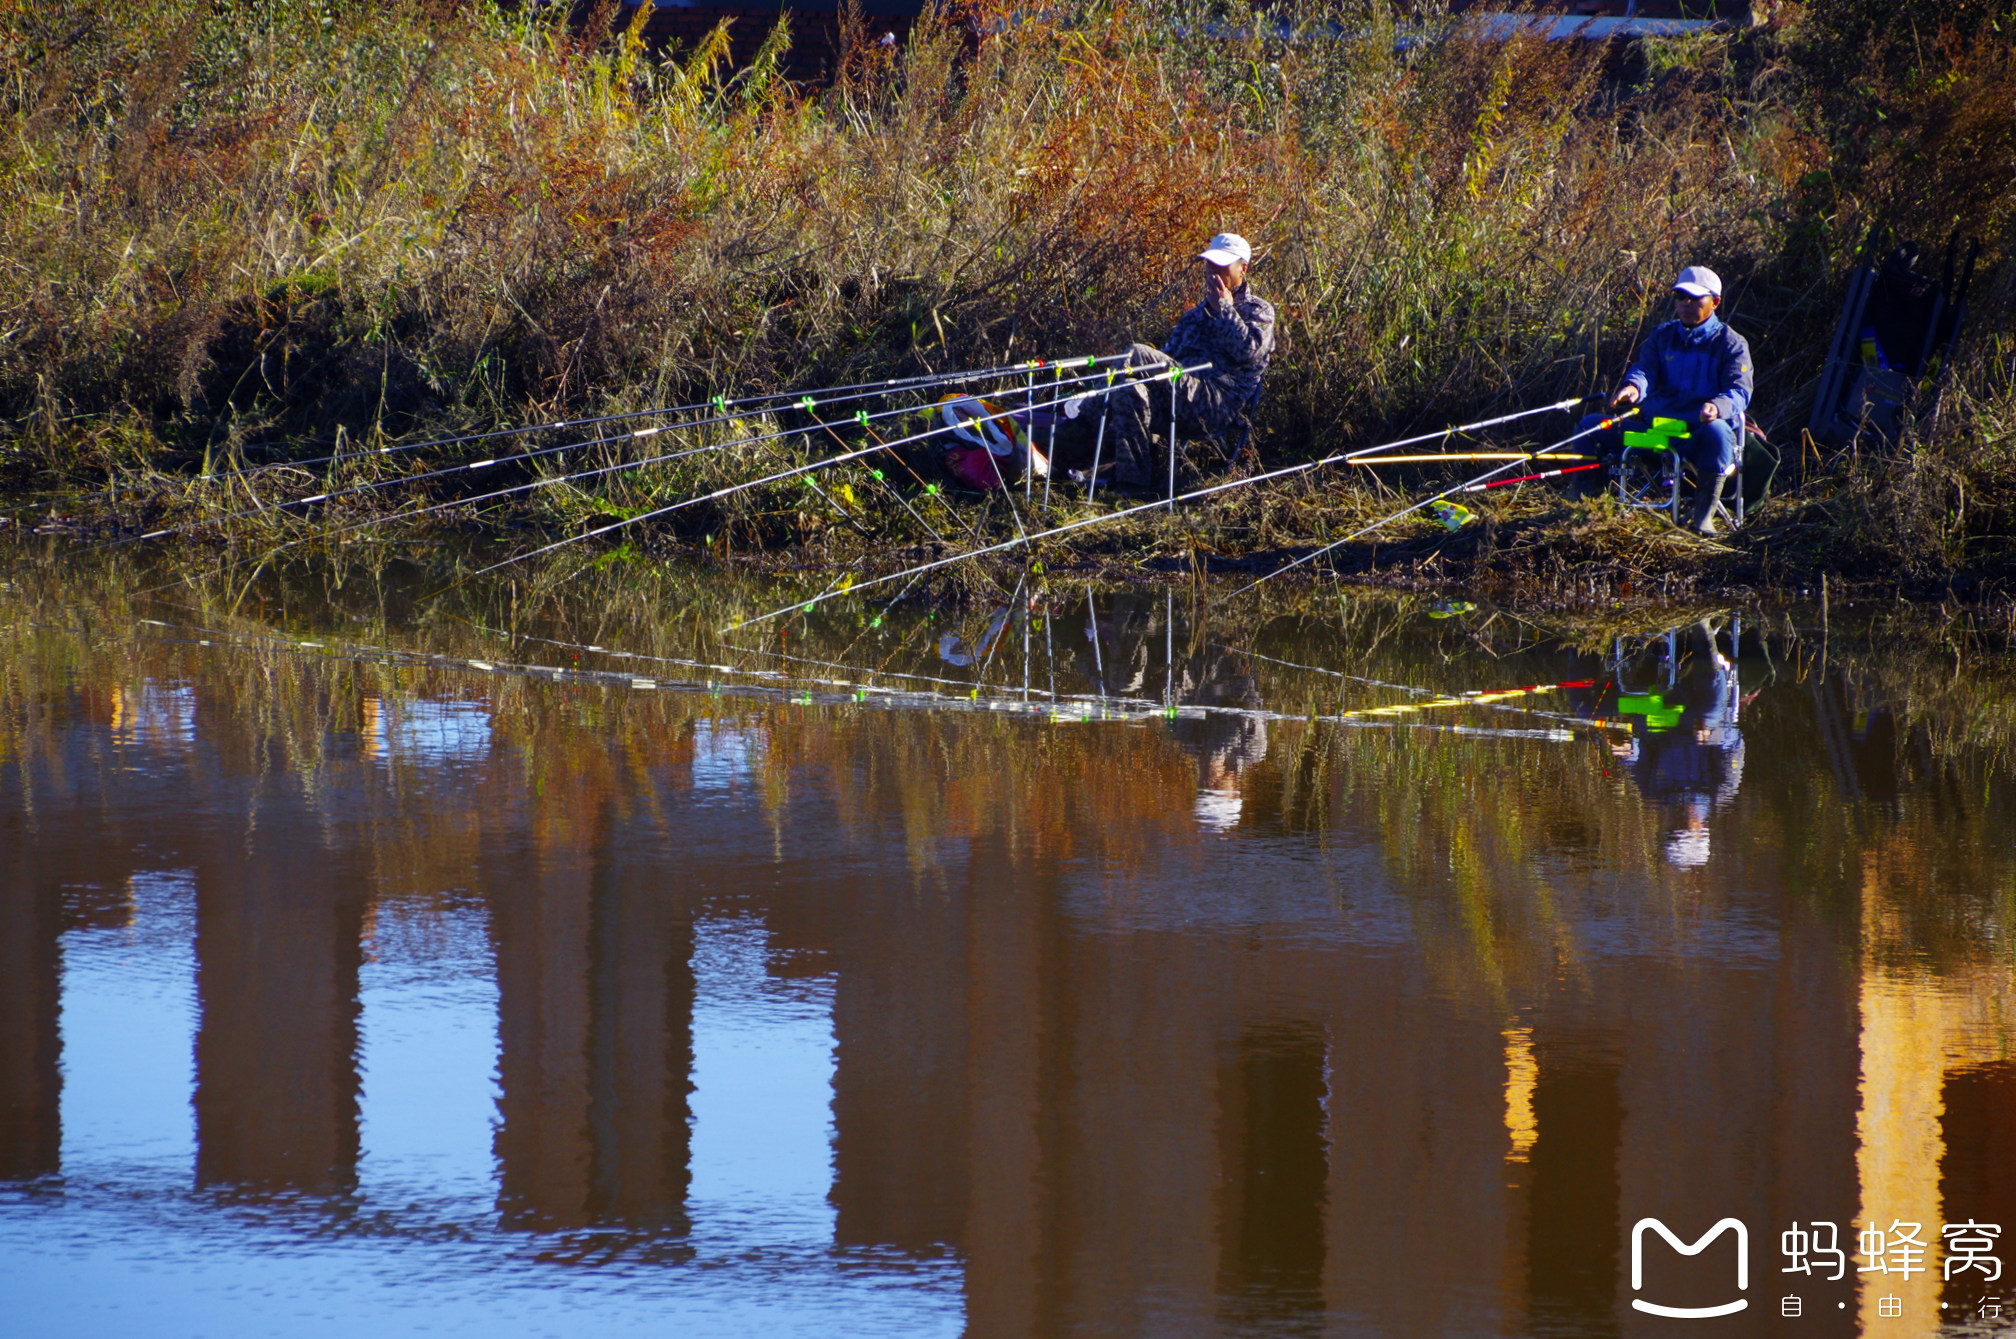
pixel 1687 754
pixel 1227 744
pixel 1115 655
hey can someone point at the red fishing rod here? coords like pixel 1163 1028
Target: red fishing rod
pixel 1529 478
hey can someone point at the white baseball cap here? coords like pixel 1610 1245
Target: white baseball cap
pixel 1225 248
pixel 1696 281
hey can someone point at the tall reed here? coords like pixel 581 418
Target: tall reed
pixel 298 223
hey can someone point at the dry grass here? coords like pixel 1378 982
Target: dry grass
pixel 259 233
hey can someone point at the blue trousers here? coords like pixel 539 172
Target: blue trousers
pixel 1709 447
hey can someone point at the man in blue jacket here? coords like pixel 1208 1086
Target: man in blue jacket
pixel 1696 369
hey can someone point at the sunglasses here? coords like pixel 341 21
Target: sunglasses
pixel 1678 296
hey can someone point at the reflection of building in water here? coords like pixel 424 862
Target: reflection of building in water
pixel 1195 1089
pixel 278 950
pixel 68 860
pixel 1274 1156
pixel 1937 1112
pixel 30 1074
pixel 595 1021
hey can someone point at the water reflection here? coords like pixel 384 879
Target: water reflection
pixel 695 998
pixel 1681 693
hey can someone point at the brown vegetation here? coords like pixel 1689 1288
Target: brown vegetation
pixel 257 233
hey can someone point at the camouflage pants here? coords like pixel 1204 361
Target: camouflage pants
pixel 1134 413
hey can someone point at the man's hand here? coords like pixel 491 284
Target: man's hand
pixel 1626 394
pixel 1215 290
pixel 1709 413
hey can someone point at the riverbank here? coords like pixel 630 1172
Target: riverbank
pixel 262 241
pixel 1866 526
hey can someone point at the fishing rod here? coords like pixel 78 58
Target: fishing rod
pixel 1282 473
pixel 1529 478
pixel 331 532
pixel 843 458
pixel 862 418
pixel 1465 486
pixel 1434 457
pixel 806 403
pixel 827 394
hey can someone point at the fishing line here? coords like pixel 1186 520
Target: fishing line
pixel 826 395
pixel 1160 502
pixel 806 402
pixel 863 418
pixel 901 501
pixel 1408 511
pixel 787 474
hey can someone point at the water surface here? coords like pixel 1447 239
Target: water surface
pixel 525 962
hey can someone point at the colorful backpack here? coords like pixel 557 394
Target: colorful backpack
pixel 987 449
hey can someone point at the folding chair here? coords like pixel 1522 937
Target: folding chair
pixel 1240 433
pixel 1648 471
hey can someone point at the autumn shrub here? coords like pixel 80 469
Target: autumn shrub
pixel 264 229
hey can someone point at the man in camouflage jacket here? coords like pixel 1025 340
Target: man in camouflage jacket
pixel 1229 328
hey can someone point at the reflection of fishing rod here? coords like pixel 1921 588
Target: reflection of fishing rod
pixel 720 404
pixel 806 403
pixel 850 693
pixel 841 459
pixel 1481 700
pixel 864 672
pixel 1191 496
pixel 1464 487
pixel 1473 698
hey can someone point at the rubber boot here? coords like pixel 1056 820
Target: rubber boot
pixel 1702 522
